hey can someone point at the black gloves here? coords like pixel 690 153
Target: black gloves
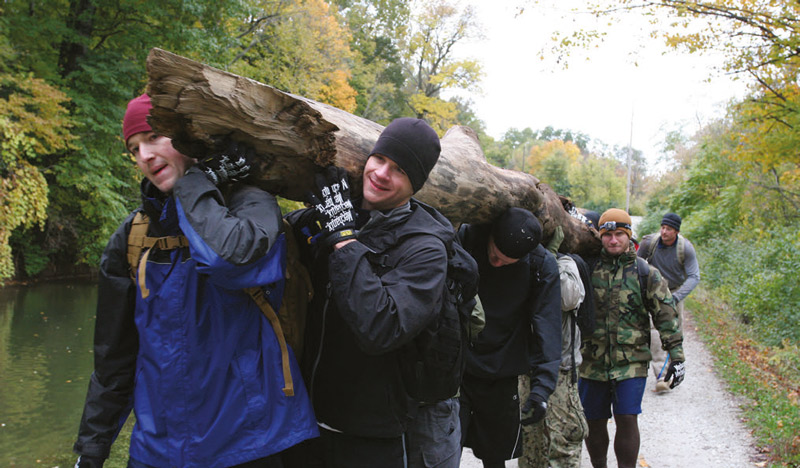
pixel 335 215
pixel 533 410
pixel 231 164
pixel 676 372
pixel 89 462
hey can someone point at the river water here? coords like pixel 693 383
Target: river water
pixel 46 335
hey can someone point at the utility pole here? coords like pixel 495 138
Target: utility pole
pixel 524 155
pixel 630 163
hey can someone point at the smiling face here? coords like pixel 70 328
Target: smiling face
pixel 386 186
pixel 162 164
pixel 615 242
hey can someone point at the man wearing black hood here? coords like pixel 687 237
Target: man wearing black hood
pixel 379 266
pixel 520 290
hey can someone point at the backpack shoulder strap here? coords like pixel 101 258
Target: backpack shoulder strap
pixel 136 240
pixel 648 243
pixel 591 263
pixel 266 308
pixel 681 247
pixel 139 242
pixel 643 271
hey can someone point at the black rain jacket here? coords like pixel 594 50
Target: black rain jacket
pixel 361 316
pixel 523 315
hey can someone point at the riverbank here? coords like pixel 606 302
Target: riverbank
pixel 53 274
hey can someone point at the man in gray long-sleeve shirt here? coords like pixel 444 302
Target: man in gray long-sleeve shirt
pixel 675 258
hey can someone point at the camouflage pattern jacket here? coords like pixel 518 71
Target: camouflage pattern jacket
pixel 619 348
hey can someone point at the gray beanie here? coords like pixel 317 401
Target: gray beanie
pixel 413 145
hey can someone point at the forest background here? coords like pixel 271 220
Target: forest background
pixel 68 68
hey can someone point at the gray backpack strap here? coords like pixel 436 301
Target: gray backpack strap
pixel 648 243
pixel 681 249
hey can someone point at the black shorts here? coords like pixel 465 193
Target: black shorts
pixel 490 418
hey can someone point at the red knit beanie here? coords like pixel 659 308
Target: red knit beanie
pixel 135 120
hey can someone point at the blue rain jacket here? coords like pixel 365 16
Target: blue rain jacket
pixel 204 374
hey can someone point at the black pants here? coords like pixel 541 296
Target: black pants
pixel 336 450
pixel 490 419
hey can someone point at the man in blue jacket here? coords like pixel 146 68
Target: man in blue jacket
pixel 520 291
pixel 184 345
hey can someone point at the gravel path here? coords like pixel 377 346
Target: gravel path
pixel 697 424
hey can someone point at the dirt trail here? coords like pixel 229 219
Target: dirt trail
pixel 698 424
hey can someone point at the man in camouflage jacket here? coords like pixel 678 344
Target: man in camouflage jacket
pixel 617 355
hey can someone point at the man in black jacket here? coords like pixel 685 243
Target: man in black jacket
pixel 379 266
pixel 521 295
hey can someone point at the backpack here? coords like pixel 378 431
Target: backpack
pixel 584 316
pixel 432 365
pixel 288 324
pixel 649 242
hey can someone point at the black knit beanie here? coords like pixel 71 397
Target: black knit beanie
pixel 672 220
pixel 594 219
pixel 516 232
pixel 413 145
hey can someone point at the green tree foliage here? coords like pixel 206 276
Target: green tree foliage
pixel 598 183
pixel 708 193
pixel 765 138
pixel 377 74
pixel 298 46
pixel 748 246
pixel 23 191
pixel 549 151
pixel 34 125
pixel 562 159
pixel 509 152
pixel 89 58
pixel 581 140
pixel 429 62
pixel 94 54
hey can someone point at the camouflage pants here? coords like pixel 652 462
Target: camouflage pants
pixel 557 440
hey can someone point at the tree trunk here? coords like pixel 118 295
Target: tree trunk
pixel 196 105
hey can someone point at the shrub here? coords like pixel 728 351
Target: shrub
pixel 757 272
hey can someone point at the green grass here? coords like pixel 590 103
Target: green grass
pixel 767 378
pixel 118 458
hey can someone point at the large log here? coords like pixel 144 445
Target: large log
pixel 196 105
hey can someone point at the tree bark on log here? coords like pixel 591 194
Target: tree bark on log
pixel 196 105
